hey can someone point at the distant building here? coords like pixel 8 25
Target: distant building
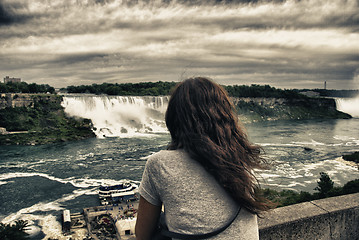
pixel 9 79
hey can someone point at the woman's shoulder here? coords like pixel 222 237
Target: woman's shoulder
pixel 165 159
pixel 159 163
pixel 167 155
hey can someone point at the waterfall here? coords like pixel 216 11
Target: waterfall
pixel 119 116
pixel 348 105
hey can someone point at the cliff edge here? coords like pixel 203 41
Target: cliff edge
pixel 265 109
pixel 30 119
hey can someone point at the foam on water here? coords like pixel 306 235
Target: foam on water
pixel 45 206
pixel 46 224
pixel 78 183
pixel 30 164
pixel 6 176
pixel 51 227
pixel 312 142
pixel 281 175
pixel 345 140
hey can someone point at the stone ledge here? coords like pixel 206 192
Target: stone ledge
pixel 330 218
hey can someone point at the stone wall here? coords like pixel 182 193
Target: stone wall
pixel 331 218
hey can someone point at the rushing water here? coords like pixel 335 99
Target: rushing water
pixel 38 182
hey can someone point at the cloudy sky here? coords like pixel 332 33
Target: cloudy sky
pixel 286 44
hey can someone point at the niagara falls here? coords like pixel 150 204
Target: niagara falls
pixel 85 86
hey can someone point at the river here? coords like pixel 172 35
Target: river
pixel 38 182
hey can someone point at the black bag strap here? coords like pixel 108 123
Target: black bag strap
pixel 167 233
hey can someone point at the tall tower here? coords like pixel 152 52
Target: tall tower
pixel 325 85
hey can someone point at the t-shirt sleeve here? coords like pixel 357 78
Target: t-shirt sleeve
pixel 148 188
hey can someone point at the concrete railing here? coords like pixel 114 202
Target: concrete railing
pixel 330 218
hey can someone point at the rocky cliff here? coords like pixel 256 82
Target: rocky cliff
pixel 30 119
pixel 263 109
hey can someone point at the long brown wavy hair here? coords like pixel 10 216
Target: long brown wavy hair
pixel 201 120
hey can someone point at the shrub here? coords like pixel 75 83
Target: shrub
pixel 351 187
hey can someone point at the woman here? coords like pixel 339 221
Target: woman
pixel 207 171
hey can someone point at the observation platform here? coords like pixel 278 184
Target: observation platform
pixel 335 218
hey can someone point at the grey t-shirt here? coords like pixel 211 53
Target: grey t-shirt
pixel 194 202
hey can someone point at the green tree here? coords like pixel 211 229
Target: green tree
pixel 23 87
pixel 325 185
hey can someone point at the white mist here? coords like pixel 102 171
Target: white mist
pixel 120 116
pixel 349 105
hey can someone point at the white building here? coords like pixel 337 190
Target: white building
pixel 126 227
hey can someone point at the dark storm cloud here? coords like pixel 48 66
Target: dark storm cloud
pixel 281 43
pixel 9 13
pixel 5 16
pixel 345 21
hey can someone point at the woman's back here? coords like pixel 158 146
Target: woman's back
pixel 194 202
pixel 207 171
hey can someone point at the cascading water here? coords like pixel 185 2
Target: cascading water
pixel 119 116
pixel 349 105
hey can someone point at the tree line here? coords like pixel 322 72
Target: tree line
pixel 336 93
pixel 264 91
pixel 125 89
pixel 23 87
pixel 164 88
